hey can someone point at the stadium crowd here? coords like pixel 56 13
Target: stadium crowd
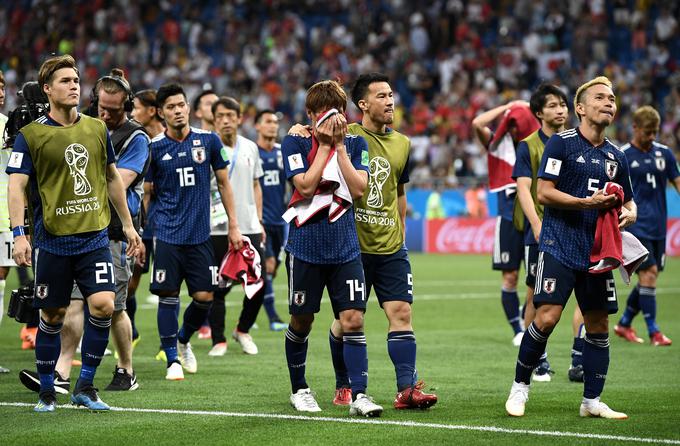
pixel 448 60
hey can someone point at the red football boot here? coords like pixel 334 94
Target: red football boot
pixel 628 333
pixel 343 397
pixel 659 339
pixel 414 398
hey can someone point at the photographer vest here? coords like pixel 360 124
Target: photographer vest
pixel 536 148
pixel 69 163
pixel 121 139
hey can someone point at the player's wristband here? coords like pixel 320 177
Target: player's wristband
pixel 18 231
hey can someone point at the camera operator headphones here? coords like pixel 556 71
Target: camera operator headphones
pixel 94 96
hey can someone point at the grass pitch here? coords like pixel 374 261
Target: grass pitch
pixel 465 355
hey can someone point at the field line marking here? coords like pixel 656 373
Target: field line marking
pixel 492 429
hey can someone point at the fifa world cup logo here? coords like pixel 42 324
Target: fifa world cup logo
pixel 76 157
pixel 378 171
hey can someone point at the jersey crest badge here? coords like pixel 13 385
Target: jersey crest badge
pixel 299 298
pixel 660 163
pixel 41 291
pixel 160 275
pixel 549 285
pixel 611 168
pixel 198 154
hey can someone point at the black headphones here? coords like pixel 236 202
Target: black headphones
pixel 94 96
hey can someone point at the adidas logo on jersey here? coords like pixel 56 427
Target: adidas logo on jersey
pixel 634 164
pixel 580 159
pixel 166 157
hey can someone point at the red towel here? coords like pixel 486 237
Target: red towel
pixel 340 200
pixel 243 266
pixel 501 154
pixel 607 251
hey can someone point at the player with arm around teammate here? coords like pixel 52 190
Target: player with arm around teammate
pixel 574 169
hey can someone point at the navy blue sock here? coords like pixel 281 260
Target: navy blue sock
pixel 168 308
pixel 648 307
pixel 338 358
pixel 530 351
pixel 131 309
pixel 95 340
pixel 356 360
pixel 47 348
pixel 296 357
pixel 401 346
pixel 510 302
pixel 632 307
pixel 269 300
pixel 595 363
pixel 194 316
pixel 577 352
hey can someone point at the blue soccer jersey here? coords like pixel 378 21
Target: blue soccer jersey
pixel 273 186
pixel 579 169
pixel 64 245
pixel 521 169
pixel 650 172
pixel 319 241
pixel 180 172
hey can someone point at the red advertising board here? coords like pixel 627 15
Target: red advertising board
pixel 673 237
pixel 468 235
pixel 459 235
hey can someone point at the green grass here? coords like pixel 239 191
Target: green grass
pixel 464 354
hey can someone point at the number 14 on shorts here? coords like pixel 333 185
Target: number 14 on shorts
pixel 355 286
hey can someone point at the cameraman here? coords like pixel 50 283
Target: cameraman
pixel 68 160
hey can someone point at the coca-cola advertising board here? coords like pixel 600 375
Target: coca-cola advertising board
pixel 474 236
pixel 460 235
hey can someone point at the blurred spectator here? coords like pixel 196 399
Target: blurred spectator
pixel 447 59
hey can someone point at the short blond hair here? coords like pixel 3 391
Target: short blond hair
pixel 646 115
pixel 51 65
pixel 600 80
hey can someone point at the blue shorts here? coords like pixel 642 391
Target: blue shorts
pixel 390 276
pixel 657 254
pixel 530 261
pixel 345 284
pixel 276 239
pixel 174 263
pixel 508 246
pixel 555 282
pixel 92 271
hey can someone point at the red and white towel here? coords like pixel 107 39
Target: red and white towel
pixel 501 154
pixel 243 266
pixel 612 247
pixel 332 192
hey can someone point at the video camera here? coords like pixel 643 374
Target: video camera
pixel 34 104
pixel 21 304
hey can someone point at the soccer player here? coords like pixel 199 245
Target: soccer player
pixel 244 172
pixel 574 169
pixel 203 109
pixel 67 160
pixel 144 111
pixel 508 241
pixel 181 160
pixel 321 254
pixel 5 234
pixel 273 187
pixel 380 220
pixel 549 105
pixel 652 166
